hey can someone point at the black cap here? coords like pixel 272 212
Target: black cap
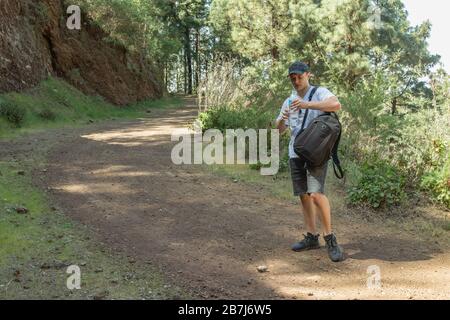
pixel 298 67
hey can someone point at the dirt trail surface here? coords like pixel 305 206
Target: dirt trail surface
pixel 209 235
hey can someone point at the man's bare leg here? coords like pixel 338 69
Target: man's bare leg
pixel 309 213
pixel 335 251
pixel 311 240
pixel 324 211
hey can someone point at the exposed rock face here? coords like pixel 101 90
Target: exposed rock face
pixel 35 43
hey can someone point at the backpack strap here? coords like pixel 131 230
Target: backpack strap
pixel 311 95
pixel 334 153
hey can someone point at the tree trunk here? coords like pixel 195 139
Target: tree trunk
pixel 188 59
pixel 166 77
pixel 197 52
pixel 178 76
pixel 185 71
pixel 394 106
pixel 274 51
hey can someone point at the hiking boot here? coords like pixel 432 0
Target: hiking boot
pixel 335 251
pixel 310 242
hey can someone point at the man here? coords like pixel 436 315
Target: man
pixel 308 183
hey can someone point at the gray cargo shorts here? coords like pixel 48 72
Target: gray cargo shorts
pixel 307 180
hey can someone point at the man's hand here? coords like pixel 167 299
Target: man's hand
pixel 285 115
pixel 298 104
pixel 331 104
pixel 280 124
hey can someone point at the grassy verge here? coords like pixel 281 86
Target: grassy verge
pixel 37 247
pixel 54 103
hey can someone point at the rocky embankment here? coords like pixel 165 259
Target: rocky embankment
pixel 35 43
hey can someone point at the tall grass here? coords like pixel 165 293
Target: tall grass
pixel 223 85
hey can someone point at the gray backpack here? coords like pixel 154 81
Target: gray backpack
pixel 320 140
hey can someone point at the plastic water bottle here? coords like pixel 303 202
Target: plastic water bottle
pixel 293 96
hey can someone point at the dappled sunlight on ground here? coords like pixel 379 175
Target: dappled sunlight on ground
pixel 210 233
pixel 147 130
pixel 93 188
pixel 350 281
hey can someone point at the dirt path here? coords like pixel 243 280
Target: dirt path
pixel 209 234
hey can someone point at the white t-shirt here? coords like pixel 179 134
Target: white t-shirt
pixel 296 118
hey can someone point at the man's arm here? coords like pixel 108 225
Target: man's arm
pixel 280 124
pixel 330 104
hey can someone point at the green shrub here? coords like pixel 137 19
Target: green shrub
pixel 47 114
pixel 13 113
pixel 421 145
pixel 380 186
pixel 284 152
pixel 223 118
pixel 415 143
pixel 437 183
pixel 220 118
pixel 446 226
